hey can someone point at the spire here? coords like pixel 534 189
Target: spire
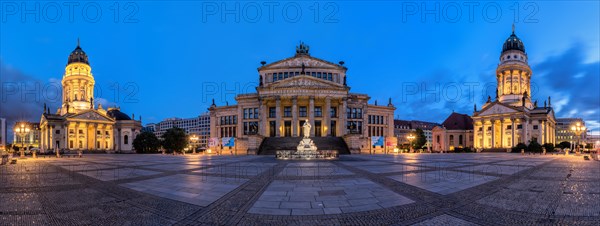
pixel 78 42
pixel 513 28
pixel 549 102
pixel 474 107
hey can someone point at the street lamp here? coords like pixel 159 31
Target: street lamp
pixel 22 131
pixel 578 129
pixel 194 140
pixel 410 137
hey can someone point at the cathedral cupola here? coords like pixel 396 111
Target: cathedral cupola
pixel 77 83
pixel 513 43
pixel 513 73
pixel 78 56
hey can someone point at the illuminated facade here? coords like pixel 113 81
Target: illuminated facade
pixel 455 132
pixel 200 126
pixel 512 118
pixel 301 88
pixel 29 140
pixel 564 131
pixel 78 124
pixel 3 134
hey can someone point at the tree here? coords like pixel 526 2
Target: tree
pixel 420 139
pixel 146 142
pixel 519 147
pixel 549 146
pixel 174 140
pixel 534 146
pixel 564 144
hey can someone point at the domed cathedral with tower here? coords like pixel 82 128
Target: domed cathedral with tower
pixel 296 90
pixel 78 124
pixel 512 117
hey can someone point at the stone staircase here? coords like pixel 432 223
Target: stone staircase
pixel 272 144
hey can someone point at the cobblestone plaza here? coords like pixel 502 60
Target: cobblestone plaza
pixel 407 189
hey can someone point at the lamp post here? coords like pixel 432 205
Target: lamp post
pixel 22 130
pixel 578 129
pixel 194 140
pixel 410 138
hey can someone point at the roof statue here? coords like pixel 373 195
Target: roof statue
pixel 302 49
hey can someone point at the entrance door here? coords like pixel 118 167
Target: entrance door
pixel 272 128
pixel 287 131
pixel 317 128
pixel 333 128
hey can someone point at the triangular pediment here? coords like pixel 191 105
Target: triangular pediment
pixel 304 81
pixel 497 108
pixel 298 61
pixel 91 115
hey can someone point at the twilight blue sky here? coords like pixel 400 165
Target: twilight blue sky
pixel 169 59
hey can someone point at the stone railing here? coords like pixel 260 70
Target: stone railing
pixel 320 154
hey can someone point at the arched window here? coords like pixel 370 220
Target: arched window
pixel 460 139
pixel 451 138
pixel 126 139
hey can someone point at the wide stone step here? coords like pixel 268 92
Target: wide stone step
pixel 270 145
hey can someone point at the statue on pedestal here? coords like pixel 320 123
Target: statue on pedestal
pixel 306 145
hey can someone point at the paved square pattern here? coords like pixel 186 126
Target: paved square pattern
pixel 443 182
pixel 402 189
pixel 193 189
pixel 315 197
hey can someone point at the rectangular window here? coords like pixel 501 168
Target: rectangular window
pixel 329 76
pixel 535 127
pixel 245 113
pixel 509 127
pixel 280 76
pixel 333 112
pixel 255 113
pixel 314 74
pixel 57 131
pixel 272 112
pixel 287 112
pixel 519 126
pixel 318 74
pixel 318 112
pixel 302 111
pixel 97 132
pixel 274 77
pixel 285 75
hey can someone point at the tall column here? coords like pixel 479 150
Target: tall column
pixel 483 133
pixel 327 117
pixel 501 133
pixel 295 116
pixel 343 117
pixel 240 122
pixel 545 131
pixel 541 132
pixel 512 139
pixel 311 115
pixel 263 117
pixel 493 133
pixel 525 130
pixel 476 135
pixel 278 116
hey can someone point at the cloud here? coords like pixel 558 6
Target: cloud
pixel 22 97
pixel 573 84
